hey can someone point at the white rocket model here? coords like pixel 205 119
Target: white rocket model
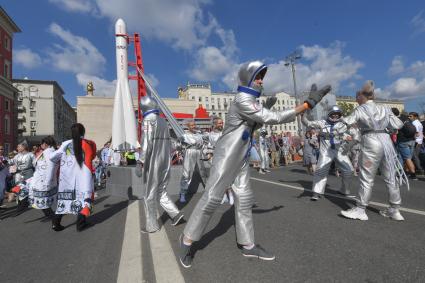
pixel 124 134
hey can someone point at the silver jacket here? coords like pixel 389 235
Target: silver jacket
pixel 230 163
pixel 156 156
pixel 24 166
pixel 332 138
pixel 377 149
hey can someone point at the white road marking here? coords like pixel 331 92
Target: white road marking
pixel 164 261
pixel 130 269
pixel 410 210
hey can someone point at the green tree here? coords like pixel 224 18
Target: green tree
pixel 346 108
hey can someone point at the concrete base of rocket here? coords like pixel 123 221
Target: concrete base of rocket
pixel 123 182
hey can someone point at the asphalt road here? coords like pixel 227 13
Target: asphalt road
pixel 311 241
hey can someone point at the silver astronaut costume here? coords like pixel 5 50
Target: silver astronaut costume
pixel 24 166
pixel 377 150
pixel 332 136
pixel 264 150
pixel 230 164
pixel 156 159
pixel 192 157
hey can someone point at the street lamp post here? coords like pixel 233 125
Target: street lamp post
pixel 290 60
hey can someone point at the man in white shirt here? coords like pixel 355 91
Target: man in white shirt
pixel 419 137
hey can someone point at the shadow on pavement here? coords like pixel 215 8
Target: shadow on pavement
pixel 266 210
pixel 227 220
pixel 107 213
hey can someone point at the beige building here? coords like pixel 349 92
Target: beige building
pixel 392 103
pixel 42 111
pixel 217 103
pixel 95 113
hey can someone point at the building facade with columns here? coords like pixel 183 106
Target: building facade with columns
pixel 391 103
pixel 218 103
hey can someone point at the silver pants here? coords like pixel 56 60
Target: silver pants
pixel 265 160
pixel 151 207
pixel 322 170
pixel 211 199
pixel 192 158
pixel 372 158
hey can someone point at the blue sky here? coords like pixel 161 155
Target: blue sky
pixel 342 43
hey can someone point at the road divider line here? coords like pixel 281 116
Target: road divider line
pixel 410 210
pixel 130 269
pixel 164 261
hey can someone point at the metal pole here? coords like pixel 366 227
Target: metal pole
pixel 297 99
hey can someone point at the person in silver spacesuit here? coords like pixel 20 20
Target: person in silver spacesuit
pixel 22 166
pixel 377 151
pixel 154 165
pixel 264 152
pixel 193 142
pixel 333 134
pixel 231 162
pixel 211 138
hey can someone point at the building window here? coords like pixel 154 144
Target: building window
pixel 19 103
pixel 200 99
pixel 6 148
pixel 32 104
pixel 212 107
pixel 32 133
pixel 20 96
pixel 6 105
pixel 32 113
pixel 6 124
pixel 6 43
pixel 6 72
pixel 193 98
pixel 206 98
pixel 212 99
pixel 33 123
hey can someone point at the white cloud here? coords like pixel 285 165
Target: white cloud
pixel 102 87
pixel 321 65
pixel 410 82
pixel 397 66
pixel 77 54
pixel 26 58
pixel 74 5
pixel 152 80
pixel 418 23
pixel 179 23
pixel 211 64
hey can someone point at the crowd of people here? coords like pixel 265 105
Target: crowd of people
pixel 60 179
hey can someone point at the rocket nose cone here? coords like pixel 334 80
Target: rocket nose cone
pixel 120 27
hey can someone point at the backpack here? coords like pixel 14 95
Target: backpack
pixel 409 129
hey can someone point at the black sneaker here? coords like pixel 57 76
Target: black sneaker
pixel 258 252
pixel 176 219
pixel 185 255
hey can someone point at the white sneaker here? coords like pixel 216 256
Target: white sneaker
pixel 225 199
pixel 392 213
pixel 261 171
pixel 355 213
pixel 231 198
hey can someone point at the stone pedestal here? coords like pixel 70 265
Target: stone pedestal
pixel 123 182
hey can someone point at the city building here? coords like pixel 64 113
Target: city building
pixel 95 113
pixel 42 111
pixel 392 103
pixel 218 103
pixel 8 131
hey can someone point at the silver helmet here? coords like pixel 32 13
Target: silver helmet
pixel 249 71
pixel 263 132
pixel 334 110
pixel 148 103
